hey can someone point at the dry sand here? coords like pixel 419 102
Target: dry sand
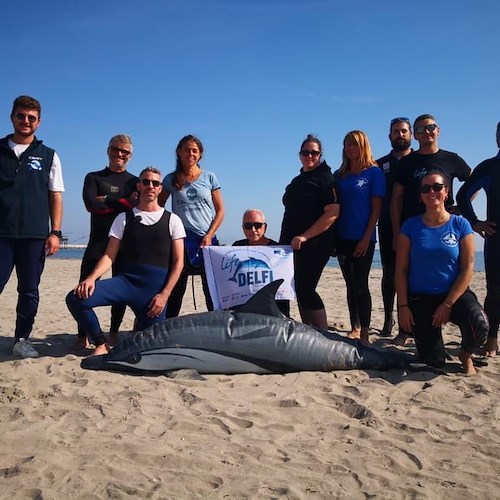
pixel 70 433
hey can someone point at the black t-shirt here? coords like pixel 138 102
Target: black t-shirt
pixel 414 166
pixel 389 165
pixel 305 199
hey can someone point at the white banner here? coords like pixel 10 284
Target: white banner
pixel 234 274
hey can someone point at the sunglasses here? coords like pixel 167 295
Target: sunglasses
pixel 31 118
pixel 310 152
pixel 148 182
pixel 256 225
pixel 426 128
pixel 400 119
pixel 436 187
pixel 124 152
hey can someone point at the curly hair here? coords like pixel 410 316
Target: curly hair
pixel 179 176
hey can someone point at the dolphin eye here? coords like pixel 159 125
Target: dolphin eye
pixel 133 358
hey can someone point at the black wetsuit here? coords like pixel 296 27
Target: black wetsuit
pixel 487 176
pixel 305 199
pixel 118 188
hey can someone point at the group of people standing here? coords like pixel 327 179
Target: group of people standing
pixel 427 251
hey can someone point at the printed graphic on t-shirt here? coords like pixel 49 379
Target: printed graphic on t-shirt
pixel 450 239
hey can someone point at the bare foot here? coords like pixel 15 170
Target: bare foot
pixel 354 334
pixel 466 359
pixel 100 349
pixel 81 343
pixel 113 338
pixel 401 338
pixel 491 347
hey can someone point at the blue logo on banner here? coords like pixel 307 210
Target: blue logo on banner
pixel 249 272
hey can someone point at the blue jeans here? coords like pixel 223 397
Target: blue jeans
pixel 27 255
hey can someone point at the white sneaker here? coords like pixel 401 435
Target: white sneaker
pixel 24 349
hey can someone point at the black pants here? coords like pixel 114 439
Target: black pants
pixel 492 268
pixel 175 300
pixel 388 259
pixel 355 271
pixel 27 255
pixel 309 263
pixel 466 313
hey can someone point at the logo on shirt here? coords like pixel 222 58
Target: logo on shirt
pixel 191 193
pixel 361 183
pixel 34 163
pixel 386 167
pixel 114 189
pixel 449 239
pixel 420 172
pixel 251 271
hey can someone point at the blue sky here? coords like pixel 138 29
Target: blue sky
pixel 251 78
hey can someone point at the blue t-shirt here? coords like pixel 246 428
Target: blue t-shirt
pixel 434 253
pixel 193 203
pixel 355 193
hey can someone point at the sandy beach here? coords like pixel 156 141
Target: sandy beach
pixel 71 433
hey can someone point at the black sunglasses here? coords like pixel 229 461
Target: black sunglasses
pixel 120 150
pixel 429 128
pixel 31 118
pixel 256 225
pixel 309 152
pixel 147 182
pixel 436 187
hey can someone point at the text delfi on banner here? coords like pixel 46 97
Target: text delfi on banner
pixel 234 274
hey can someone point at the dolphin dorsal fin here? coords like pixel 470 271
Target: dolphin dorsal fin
pixel 263 302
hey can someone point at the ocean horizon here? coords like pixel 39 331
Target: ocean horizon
pixel 77 254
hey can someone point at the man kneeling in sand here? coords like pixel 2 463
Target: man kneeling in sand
pixel 151 242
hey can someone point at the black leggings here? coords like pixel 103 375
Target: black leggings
pixel 388 259
pixel 492 268
pixel 355 271
pixel 309 263
pixel 466 313
pixel 174 302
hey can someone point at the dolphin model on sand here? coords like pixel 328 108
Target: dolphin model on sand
pixel 253 338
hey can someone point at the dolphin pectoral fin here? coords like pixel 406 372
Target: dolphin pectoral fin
pixel 263 302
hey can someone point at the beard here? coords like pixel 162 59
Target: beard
pixel 400 144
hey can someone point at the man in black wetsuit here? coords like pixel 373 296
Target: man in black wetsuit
pixel 487 176
pixel 106 193
pixel 400 137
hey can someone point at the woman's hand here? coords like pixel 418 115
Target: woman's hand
pixel 361 247
pixel 441 315
pixel 297 241
pixel 206 241
pixel 405 319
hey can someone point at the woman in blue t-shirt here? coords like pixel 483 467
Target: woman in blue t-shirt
pixel 434 266
pixel 197 200
pixel 361 188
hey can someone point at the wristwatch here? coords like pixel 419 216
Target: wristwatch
pixel 56 233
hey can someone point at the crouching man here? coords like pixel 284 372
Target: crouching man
pixel 151 242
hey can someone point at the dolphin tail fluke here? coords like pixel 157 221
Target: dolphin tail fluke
pixel 263 302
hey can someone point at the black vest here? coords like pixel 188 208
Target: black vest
pixel 24 193
pixel 149 245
